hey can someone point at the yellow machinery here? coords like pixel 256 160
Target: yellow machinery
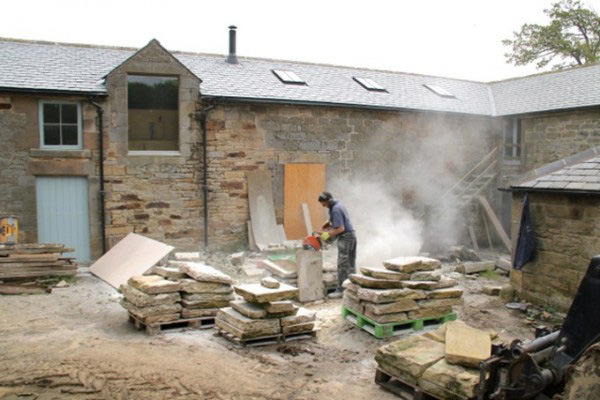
pixel 9 230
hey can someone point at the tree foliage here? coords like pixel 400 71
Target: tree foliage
pixel 571 38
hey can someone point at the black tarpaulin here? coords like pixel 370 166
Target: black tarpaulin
pixel 526 242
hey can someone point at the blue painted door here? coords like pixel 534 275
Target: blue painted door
pixel 62 213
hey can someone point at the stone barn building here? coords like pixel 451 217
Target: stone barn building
pixel 564 198
pixel 97 142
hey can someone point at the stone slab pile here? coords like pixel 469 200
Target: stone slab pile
pixel 266 310
pixel 404 289
pixel 440 362
pixel 179 290
pixel 30 261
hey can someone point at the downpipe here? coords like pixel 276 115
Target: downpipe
pixel 101 193
pixel 204 187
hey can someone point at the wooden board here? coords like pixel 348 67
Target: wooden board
pixel 262 209
pixel 307 219
pixel 310 275
pixel 133 255
pixel 302 184
pixel 495 221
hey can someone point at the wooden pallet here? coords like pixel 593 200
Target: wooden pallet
pixel 266 340
pixel 400 388
pixel 381 331
pixel 172 326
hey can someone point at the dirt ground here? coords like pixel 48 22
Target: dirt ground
pixel 77 343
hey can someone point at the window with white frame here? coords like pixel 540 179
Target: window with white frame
pixel 60 125
pixel 512 139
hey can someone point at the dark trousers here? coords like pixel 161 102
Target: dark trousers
pixel 346 244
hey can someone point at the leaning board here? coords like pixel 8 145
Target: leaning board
pixel 302 184
pixel 262 210
pixel 132 256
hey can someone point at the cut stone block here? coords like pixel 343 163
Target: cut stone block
pixel 445 293
pixel 270 283
pixel 189 256
pixel 352 302
pixel 329 267
pixel 465 345
pixel 141 299
pixel 426 276
pixel 351 287
pixel 299 328
pixel 412 264
pixel 475 267
pixel 492 290
pixel 248 327
pixel 440 303
pixel 429 312
pixel 198 312
pixel 160 319
pixel 302 316
pixel 388 295
pixel 409 357
pixel 256 293
pixel 438 334
pixel 448 381
pixel 172 273
pixel 153 284
pixel 280 307
pixel 280 268
pixel 194 286
pixel 384 273
pixel 310 275
pixel 248 309
pixel 374 283
pixel 430 285
pixel 237 259
pixel 387 318
pixel 401 305
pixel 330 279
pixel 202 272
pixel 143 312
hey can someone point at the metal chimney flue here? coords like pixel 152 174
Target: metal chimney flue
pixel 232 57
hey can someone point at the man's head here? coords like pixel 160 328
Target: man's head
pixel 325 199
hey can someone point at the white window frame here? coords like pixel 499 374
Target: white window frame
pixel 79 144
pixel 513 149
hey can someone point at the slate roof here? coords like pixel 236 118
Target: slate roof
pixel 68 68
pixel 577 173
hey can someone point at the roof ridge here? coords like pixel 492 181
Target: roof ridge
pixel 83 45
pixel 542 73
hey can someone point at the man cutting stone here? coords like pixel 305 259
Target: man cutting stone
pixel 339 227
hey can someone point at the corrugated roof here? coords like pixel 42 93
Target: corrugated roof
pixel 59 67
pixel 577 173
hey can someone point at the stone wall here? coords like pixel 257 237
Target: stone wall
pixel 399 149
pixel 550 137
pixel 156 194
pixel 567 227
pixel 21 160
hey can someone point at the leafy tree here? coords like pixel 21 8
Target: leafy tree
pixel 572 37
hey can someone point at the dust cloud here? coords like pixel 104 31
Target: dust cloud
pixel 397 191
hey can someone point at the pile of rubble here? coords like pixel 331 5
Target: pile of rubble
pixel 266 312
pixel 407 288
pixel 182 289
pixel 442 363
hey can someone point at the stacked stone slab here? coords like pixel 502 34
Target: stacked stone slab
pixel 406 288
pixel 285 271
pixel 266 310
pixel 180 290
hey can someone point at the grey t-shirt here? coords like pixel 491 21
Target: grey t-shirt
pixel 339 216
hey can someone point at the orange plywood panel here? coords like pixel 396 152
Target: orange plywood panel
pixel 302 184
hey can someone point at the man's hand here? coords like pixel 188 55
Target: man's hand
pixel 326 225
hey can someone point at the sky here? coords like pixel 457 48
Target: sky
pixel 450 38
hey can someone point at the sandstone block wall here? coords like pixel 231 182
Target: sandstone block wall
pixel 567 227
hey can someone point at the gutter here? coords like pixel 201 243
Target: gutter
pixel 54 91
pixel 102 193
pixel 201 116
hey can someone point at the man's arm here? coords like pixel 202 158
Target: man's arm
pixel 337 223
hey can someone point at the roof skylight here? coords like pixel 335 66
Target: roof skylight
pixel 288 77
pixel 369 84
pixel 440 91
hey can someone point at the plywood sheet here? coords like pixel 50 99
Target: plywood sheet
pixel 302 184
pixel 262 210
pixel 132 256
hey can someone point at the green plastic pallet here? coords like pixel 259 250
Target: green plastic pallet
pixel 381 331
